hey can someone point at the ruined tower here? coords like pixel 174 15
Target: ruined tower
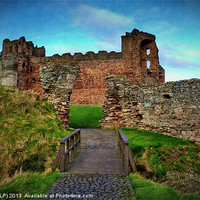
pixel 140 56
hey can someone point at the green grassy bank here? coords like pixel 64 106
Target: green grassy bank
pixel 85 116
pixel 171 161
pixel 159 153
pixel 29 134
pixel 148 190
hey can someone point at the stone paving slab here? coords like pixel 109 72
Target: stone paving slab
pixel 92 186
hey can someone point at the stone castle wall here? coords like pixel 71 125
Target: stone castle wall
pixel 22 46
pixel 90 85
pixel 131 62
pixel 25 67
pixel 159 107
pixel 171 108
pixel 8 70
pixel 57 79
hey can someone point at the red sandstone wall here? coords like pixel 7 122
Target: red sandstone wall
pixel 22 46
pixel 29 61
pixel 29 75
pixel 134 46
pixel 90 85
pixel 131 63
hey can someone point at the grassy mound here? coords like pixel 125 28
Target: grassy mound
pixel 165 159
pixel 159 153
pixel 29 133
pixel 148 190
pixel 29 183
pixel 85 116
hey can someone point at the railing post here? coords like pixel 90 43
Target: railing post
pixel 72 151
pixel 79 138
pixel 76 146
pixel 126 157
pixel 70 143
pixel 62 156
pixel 67 156
pixel 56 161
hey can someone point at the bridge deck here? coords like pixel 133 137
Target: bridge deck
pixel 99 153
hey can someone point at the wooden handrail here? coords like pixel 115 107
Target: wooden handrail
pixel 125 152
pixel 69 144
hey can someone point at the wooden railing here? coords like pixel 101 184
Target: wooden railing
pixel 125 152
pixel 69 146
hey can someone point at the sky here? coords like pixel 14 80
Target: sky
pixel 64 26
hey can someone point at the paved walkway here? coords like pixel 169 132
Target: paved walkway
pixel 96 172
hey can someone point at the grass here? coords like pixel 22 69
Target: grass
pixel 148 190
pixel 160 153
pixel 29 183
pixel 29 133
pixel 85 116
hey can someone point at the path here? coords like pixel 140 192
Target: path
pixel 96 172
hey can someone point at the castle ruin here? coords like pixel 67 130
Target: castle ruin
pixel 138 61
pixel 135 96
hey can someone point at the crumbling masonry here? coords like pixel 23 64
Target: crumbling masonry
pixel 25 67
pixel 138 61
pixel 136 97
pixel 171 108
pixel 21 64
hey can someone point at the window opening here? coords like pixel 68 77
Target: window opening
pixel 23 65
pixel 166 96
pixel 34 80
pixel 148 51
pixel 148 64
pixel 139 116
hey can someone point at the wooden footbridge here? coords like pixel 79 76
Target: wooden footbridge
pixel 70 146
pixel 94 163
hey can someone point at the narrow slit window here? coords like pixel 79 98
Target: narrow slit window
pixel 148 64
pixel 23 65
pixel 148 51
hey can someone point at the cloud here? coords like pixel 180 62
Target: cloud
pixel 179 63
pixel 194 53
pixel 59 49
pixel 174 74
pixel 101 18
pixel 103 25
pixel 108 46
pixel 179 56
pixel 162 29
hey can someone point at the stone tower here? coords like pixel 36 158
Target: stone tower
pixel 140 56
